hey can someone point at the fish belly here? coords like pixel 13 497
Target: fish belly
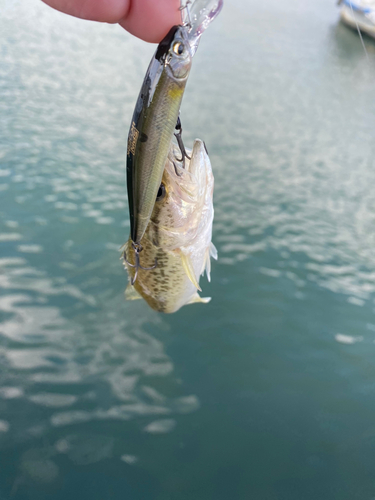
pixel 165 288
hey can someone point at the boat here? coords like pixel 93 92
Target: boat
pixel 359 14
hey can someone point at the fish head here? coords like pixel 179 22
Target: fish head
pixel 180 57
pixel 183 207
pixel 174 52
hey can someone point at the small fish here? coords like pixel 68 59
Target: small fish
pixel 153 124
pixel 178 235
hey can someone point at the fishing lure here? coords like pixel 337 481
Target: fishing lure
pixel 156 117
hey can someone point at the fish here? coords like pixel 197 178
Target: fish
pixel 153 124
pixel 178 235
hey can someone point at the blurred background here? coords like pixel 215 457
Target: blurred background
pixel 268 392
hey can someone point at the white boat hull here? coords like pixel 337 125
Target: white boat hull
pixel 356 19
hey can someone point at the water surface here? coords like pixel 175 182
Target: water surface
pixel 267 392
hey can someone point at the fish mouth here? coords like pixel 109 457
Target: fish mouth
pixel 194 165
pixel 187 179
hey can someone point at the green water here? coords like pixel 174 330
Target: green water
pixel 266 393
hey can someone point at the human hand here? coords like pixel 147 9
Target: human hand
pixel 149 20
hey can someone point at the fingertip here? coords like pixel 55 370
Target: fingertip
pixel 150 20
pixel 107 11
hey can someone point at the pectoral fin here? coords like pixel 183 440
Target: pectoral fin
pixel 123 249
pixel 131 293
pixel 207 264
pixel 189 269
pixel 196 298
pixel 213 251
pixel 210 252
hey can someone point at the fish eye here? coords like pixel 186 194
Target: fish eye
pixel 178 48
pixel 161 192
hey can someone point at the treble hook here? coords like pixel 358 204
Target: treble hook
pixel 137 247
pixel 186 6
pixel 180 143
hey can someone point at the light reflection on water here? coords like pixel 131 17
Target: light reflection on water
pixel 273 380
pixel 37 338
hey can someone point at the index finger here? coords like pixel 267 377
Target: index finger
pixel 149 20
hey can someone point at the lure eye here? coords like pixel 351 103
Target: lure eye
pixel 161 192
pixel 178 48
